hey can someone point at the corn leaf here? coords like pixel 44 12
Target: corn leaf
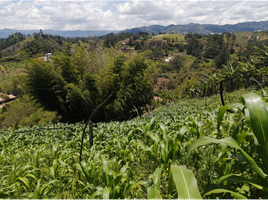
pixel 237 178
pixel 153 192
pixel 221 112
pixel 222 189
pixel 185 182
pixel 232 143
pixel 258 120
pixel 106 193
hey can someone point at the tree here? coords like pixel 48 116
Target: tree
pixel 222 57
pixel 63 85
pixel 130 42
pixel 45 85
pixel 127 76
pixel 194 46
pixel 138 45
pixel 214 45
pixel 67 67
pixel 176 63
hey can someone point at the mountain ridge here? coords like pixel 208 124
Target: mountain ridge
pixel 181 29
pixel 202 28
pixel 4 33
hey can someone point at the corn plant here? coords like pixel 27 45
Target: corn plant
pixel 115 183
pixel 153 191
pixel 255 111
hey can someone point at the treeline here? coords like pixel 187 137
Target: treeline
pixel 36 45
pixel 43 43
pixel 111 39
pixel 11 40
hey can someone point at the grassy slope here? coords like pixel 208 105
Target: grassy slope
pixel 243 37
pixel 172 36
pixel 8 71
pixel 20 44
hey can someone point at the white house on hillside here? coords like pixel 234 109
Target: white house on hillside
pixel 47 56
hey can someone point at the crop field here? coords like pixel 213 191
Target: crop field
pixel 194 145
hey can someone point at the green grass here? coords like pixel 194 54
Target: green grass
pixel 172 36
pixel 8 71
pixel 29 39
pixel 243 37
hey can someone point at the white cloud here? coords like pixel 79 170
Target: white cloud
pixel 118 15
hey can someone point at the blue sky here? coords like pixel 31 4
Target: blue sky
pixel 119 15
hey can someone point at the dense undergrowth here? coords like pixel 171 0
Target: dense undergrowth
pixel 132 159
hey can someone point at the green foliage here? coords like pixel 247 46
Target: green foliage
pixel 176 63
pixel 185 182
pixel 214 45
pixel 222 57
pixel 43 43
pixel 11 40
pixel 41 117
pixel 45 85
pixel 153 191
pixel 256 113
pixel 24 112
pixel 139 158
pixel 194 46
pixel 71 85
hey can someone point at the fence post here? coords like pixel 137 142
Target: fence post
pixel 221 91
pixel 90 126
pixel 136 111
pixel 149 111
pixel 170 113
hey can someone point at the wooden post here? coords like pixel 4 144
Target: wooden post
pixel 149 111
pixel 221 91
pixel 170 114
pixel 90 126
pixel 136 111
pixel 39 131
pixel 89 119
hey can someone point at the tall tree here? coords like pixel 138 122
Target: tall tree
pixel 214 45
pixel 222 57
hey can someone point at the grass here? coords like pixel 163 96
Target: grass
pixel 29 39
pixel 243 37
pixel 8 72
pixel 171 36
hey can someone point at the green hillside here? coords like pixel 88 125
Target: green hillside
pixel 181 66
pixel 160 129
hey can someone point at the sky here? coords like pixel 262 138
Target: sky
pixel 120 15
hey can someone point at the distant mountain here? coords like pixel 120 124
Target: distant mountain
pixel 4 33
pixel 201 28
pixel 192 27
